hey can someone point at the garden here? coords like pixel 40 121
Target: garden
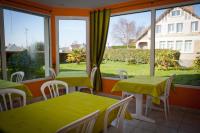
pixel 136 62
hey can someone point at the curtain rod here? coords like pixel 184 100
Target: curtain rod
pixel 29 5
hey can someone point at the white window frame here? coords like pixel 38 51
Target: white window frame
pixel 176 10
pixel 196 26
pixel 47 38
pixel 181 45
pixel 86 19
pixel 158 28
pixel 162 44
pixel 177 26
pixel 170 28
pixel 191 47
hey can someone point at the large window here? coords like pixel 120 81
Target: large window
pixel 182 47
pixel 174 53
pixel 72 40
pixel 26 44
pixel 128 45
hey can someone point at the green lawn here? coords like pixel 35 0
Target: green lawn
pixel 109 69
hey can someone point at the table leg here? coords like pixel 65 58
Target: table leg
pixel 139 106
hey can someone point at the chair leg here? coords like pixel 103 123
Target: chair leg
pixel 1 109
pixel 91 91
pixel 168 105
pixel 165 108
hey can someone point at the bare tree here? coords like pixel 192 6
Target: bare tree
pixel 125 31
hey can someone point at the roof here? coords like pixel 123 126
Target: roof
pixel 163 15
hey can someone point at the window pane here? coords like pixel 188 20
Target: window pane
pixel 72 45
pixel 179 27
pixel 25 44
pixel 128 45
pixel 177 51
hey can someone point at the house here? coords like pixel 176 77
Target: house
pixel 178 29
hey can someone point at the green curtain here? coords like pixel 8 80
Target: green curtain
pixel 99 23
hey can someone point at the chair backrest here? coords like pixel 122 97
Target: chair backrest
pixel 52 73
pixel 53 86
pixel 9 91
pixel 18 76
pixel 121 106
pixel 168 85
pixel 82 125
pixel 92 74
pixel 123 74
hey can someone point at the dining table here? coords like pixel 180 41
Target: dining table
pixel 50 115
pixel 139 86
pixel 4 84
pixel 75 78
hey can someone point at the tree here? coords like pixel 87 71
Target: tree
pixel 126 31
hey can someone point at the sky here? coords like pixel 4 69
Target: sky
pixel 70 31
pixel 15 24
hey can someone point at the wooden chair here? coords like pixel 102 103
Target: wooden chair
pixel 118 126
pixel 9 91
pixel 164 98
pixel 18 76
pixel 53 87
pixel 82 125
pixel 92 74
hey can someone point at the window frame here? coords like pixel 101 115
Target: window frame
pixel 86 19
pixel 158 29
pixel 170 28
pixel 181 26
pixel 196 24
pixel 153 16
pixel 47 40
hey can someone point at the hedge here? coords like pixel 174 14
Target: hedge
pixel 164 58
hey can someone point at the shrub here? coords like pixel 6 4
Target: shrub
pixel 196 62
pixel 78 55
pixel 167 58
pixel 164 58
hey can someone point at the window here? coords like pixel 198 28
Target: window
pixel 162 44
pixel 179 45
pixel 158 28
pixel 170 45
pixel 128 48
pixel 175 13
pixel 72 33
pixel 181 50
pixel 170 28
pixel 179 27
pixel 26 44
pixel 194 26
pixel 188 46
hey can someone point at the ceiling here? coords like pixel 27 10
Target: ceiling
pixel 79 3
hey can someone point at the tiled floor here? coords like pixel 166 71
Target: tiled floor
pixel 179 121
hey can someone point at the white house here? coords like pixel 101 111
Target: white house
pixel 178 29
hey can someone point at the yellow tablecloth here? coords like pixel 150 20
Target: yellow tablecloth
pixel 153 86
pixel 75 78
pixel 8 84
pixel 48 116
